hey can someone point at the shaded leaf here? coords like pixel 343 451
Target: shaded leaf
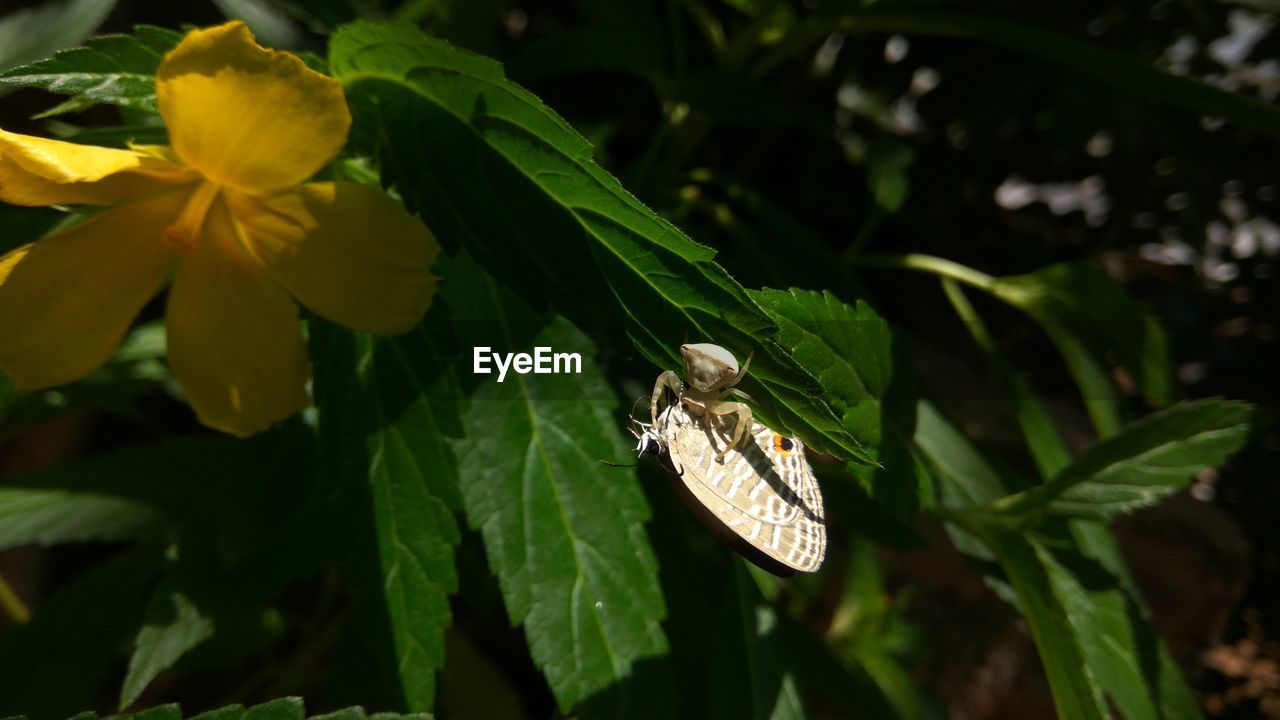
pixel 501 174
pixel 1093 321
pixel 288 708
pixel 49 517
pixel 158 646
pixel 1073 682
pixel 386 406
pixel 1043 441
pixel 563 533
pixel 78 650
pixel 1121 649
pixel 887 164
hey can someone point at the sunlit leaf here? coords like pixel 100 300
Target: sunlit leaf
pixel 853 352
pixel 505 177
pixel 1145 462
pixel 113 69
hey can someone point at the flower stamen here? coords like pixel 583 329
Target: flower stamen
pixel 183 237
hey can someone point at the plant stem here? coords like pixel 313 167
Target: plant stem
pixel 12 604
pixel 967 313
pixel 930 264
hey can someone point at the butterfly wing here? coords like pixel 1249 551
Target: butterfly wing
pixel 764 491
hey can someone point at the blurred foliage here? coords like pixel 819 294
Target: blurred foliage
pixel 858 194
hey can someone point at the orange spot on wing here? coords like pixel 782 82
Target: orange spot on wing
pixel 782 445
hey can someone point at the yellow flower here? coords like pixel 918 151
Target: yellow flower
pixel 224 218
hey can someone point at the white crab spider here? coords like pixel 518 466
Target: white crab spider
pixel 711 372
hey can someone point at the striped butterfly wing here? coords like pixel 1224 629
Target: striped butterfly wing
pixel 763 492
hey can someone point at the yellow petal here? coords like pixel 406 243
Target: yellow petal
pixel 234 341
pixel 256 120
pixel 67 300
pixel 39 171
pixel 347 251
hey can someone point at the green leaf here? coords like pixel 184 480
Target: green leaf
pixel 25 224
pixel 287 708
pixel 1093 320
pixel 887 164
pixel 967 479
pixel 386 406
pixel 866 630
pixel 1122 651
pixel 1072 681
pixel 1047 448
pixel 1082 56
pixel 159 712
pixel 563 533
pixel 854 354
pixel 1145 462
pixel 49 517
pixel 114 69
pixel 29 34
pixel 158 646
pixel 504 176
pixel 78 648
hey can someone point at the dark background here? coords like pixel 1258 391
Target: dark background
pixel 963 143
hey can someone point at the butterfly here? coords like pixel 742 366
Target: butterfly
pixel 760 495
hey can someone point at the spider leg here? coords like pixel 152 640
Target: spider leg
pixel 668 380
pixel 742 427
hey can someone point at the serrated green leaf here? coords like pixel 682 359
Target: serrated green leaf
pixel 50 517
pixel 286 708
pixel 563 533
pixel 160 712
pixel 351 713
pixel 29 34
pixel 1145 462
pixel 387 405
pixel 158 646
pixel 534 209
pixel 230 712
pixel 854 354
pixel 113 69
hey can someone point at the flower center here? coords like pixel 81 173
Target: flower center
pixel 183 236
